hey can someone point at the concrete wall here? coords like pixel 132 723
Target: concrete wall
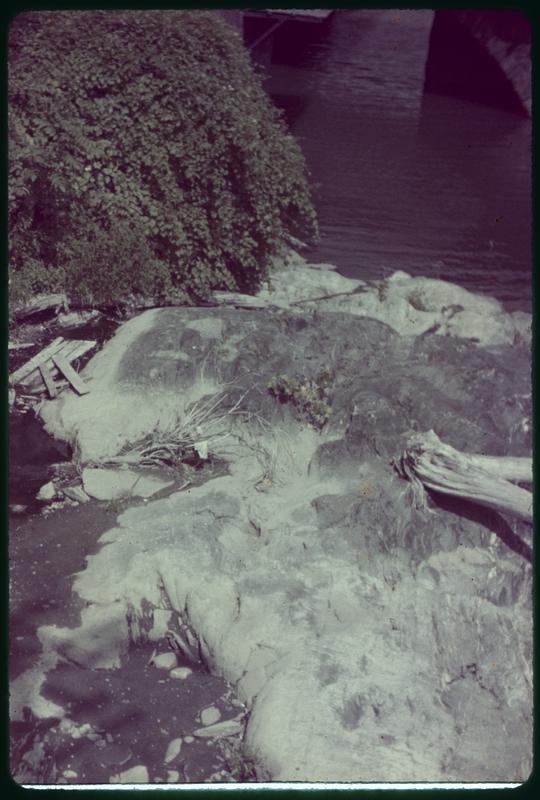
pixel 483 56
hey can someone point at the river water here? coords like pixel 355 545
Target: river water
pixel 424 183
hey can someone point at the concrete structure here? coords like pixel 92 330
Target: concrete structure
pixel 484 56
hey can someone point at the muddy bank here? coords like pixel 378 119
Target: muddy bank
pixel 371 640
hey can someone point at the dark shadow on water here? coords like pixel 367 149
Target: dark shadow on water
pixel 489 519
pixel 292 105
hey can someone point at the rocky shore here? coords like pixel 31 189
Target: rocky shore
pixel 370 640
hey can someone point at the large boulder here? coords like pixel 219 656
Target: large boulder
pixel 372 641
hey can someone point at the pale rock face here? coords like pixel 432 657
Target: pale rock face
pixel 370 641
pixel 113 484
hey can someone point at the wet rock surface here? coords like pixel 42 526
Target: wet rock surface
pixel 371 640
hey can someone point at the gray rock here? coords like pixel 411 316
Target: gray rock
pixel 165 661
pixel 210 715
pixel 113 484
pixel 137 774
pixel 173 749
pixel 76 493
pixel 47 492
pixel 180 673
pixel 220 730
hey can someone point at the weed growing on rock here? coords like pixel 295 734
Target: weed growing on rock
pixel 310 398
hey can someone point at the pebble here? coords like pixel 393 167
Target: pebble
pixel 188 739
pixel 210 715
pixel 180 672
pixel 70 773
pixel 17 508
pixel 138 774
pixel 165 661
pixel 109 737
pixel 172 776
pixel 172 750
pixel 47 492
pixel 76 493
pixel 229 727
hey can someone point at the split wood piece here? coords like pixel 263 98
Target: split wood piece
pixel 27 369
pixel 48 379
pixel 75 380
pixel 19 345
pixel 48 302
pixel 428 462
pixel 28 375
pixel 70 350
pixel 239 300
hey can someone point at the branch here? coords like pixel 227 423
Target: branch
pixel 429 463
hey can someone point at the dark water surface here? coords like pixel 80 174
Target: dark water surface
pixel 428 184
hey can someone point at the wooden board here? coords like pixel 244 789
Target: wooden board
pixel 75 380
pixel 48 380
pixel 28 375
pixel 33 364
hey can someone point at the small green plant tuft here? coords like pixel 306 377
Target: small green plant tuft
pixel 310 398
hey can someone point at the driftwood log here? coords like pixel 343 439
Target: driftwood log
pixel 430 464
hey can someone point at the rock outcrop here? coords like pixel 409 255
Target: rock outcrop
pixel 372 641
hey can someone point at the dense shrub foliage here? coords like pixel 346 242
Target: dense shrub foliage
pixel 144 156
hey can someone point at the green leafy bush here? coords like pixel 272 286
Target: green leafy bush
pixel 310 398
pixel 152 122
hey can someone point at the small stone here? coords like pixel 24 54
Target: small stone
pixel 109 737
pixel 172 776
pixel 47 492
pixel 165 661
pixel 17 508
pixel 101 744
pixel 229 727
pixel 180 672
pixel 70 773
pixel 138 774
pixel 76 493
pixel 94 737
pixel 172 750
pixel 210 715
pixel 188 739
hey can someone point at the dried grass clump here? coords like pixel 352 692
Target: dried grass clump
pixel 195 435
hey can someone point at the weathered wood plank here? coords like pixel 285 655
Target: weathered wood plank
pixel 70 350
pixel 48 380
pixel 75 380
pixel 46 302
pixel 35 361
pixel 239 300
